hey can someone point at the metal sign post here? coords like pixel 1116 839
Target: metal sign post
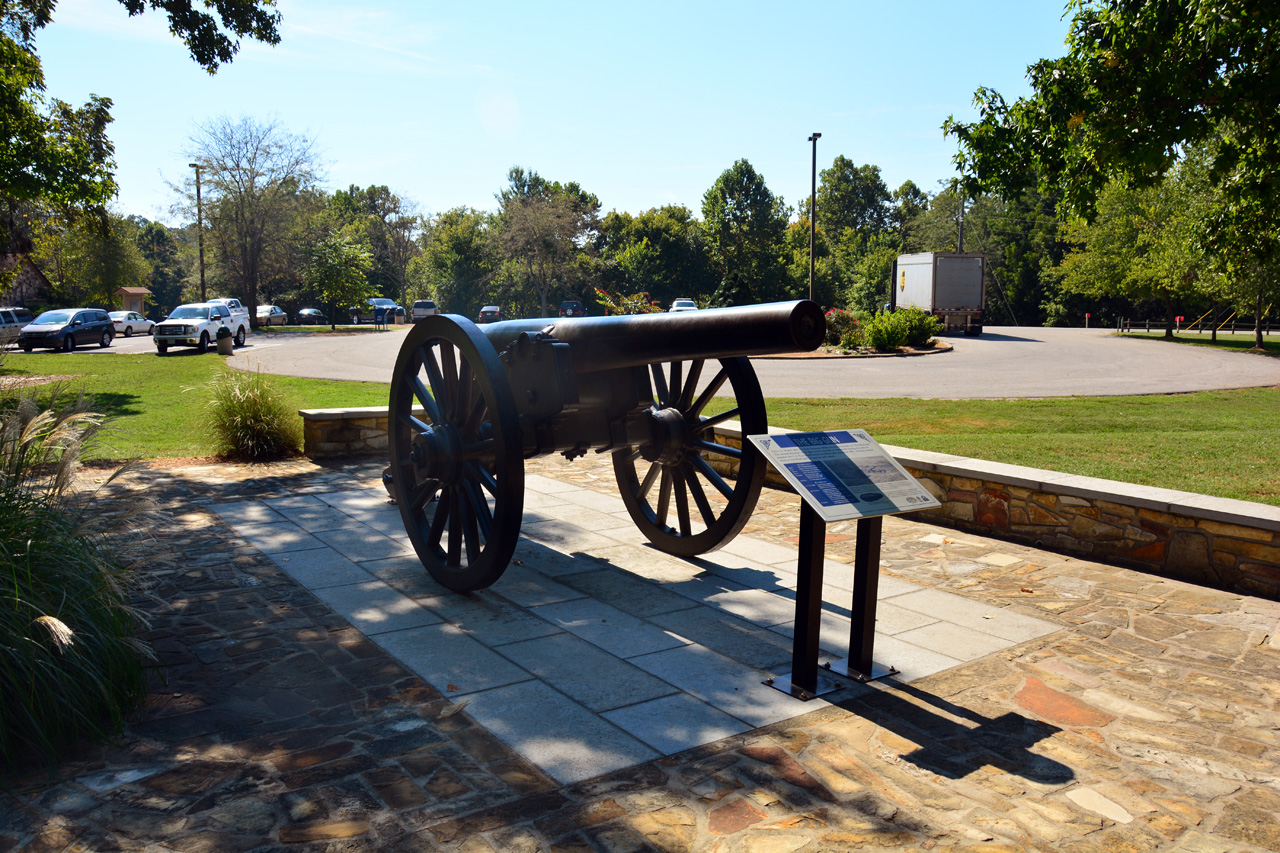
pixel 839 475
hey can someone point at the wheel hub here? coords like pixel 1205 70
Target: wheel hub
pixel 437 453
pixel 669 437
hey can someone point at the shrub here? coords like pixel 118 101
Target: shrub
pixel 904 327
pixel 840 324
pixel 250 419
pixel 71 665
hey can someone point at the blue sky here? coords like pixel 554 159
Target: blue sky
pixel 642 104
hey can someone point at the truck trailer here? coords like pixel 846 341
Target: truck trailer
pixel 949 285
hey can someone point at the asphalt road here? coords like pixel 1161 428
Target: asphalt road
pixel 1003 362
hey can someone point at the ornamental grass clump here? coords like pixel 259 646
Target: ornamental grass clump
pixel 250 419
pixel 906 327
pixel 71 664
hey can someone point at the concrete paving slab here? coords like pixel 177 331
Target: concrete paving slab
pixel 356 499
pixel 565 740
pixel 726 684
pixel 530 588
pixel 956 641
pixel 675 723
pixel 609 628
pixel 486 616
pixel 248 512
pixel 595 500
pixel 992 620
pixel 318 517
pixel 547 485
pixel 911 661
pixel 732 637
pixel 585 673
pixel 551 562
pixel 404 573
pixel 648 562
pixel 760 551
pixel 626 591
pixel 565 536
pixel 320 567
pixel 445 657
pixel 755 605
pixel 376 608
pixel 277 538
pixel 361 542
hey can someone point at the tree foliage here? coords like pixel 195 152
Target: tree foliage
pixel 745 225
pixel 88 264
pixel 337 274
pixel 1143 79
pixel 457 261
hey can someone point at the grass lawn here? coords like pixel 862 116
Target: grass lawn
pixel 1240 342
pixel 157 402
pixel 1224 443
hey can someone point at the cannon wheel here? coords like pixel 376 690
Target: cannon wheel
pixel 670 474
pixel 455 436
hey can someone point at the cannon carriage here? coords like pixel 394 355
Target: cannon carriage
pixel 470 404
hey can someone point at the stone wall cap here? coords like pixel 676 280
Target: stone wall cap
pixel 342 414
pixel 1130 494
pixel 1229 510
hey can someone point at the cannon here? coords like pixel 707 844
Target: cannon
pixel 469 404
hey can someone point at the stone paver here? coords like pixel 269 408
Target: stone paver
pixel 1146 721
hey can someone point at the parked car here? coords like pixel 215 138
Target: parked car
pixel 66 328
pixel 128 322
pixel 11 322
pixel 378 311
pixel 310 317
pixel 489 314
pixel 272 315
pixel 683 304
pixel 197 325
pixel 572 308
pixel 423 308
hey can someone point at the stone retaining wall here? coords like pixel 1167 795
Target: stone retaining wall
pixel 1229 544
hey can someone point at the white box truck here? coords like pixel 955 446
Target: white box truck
pixel 949 285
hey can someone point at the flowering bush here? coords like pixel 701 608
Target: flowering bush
pixel 841 324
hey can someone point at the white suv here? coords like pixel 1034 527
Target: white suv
pixel 423 308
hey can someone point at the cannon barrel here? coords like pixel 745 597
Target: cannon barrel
pixel 636 340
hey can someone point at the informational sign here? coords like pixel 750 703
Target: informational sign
pixel 844 474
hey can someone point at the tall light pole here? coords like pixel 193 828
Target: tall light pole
pixel 813 203
pixel 200 229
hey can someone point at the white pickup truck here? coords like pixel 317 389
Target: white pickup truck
pixel 197 325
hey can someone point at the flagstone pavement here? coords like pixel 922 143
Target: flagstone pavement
pixel 319 692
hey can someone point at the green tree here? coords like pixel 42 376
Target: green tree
pixel 57 154
pixel 456 261
pixel 256 177
pixel 161 250
pixel 87 264
pixel 909 201
pixel 546 234
pixel 661 252
pixel 1143 82
pixel 390 226
pixel 337 274
pixel 853 198
pixel 745 225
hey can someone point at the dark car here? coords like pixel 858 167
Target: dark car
pixel 572 308
pixel 66 329
pixel 378 311
pixel 489 314
pixel 310 316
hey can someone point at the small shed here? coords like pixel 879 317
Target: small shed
pixel 133 298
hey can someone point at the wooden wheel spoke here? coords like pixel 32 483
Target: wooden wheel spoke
pixel 690 384
pixel 664 498
pixel 425 398
pixel 466 379
pixel 479 409
pixel 659 385
pixel 715 420
pixel 480 508
pixel 677 383
pixel 449 367
pixel 435 380
pixel 707 393
pixel 454 557
pixel 470 524
pixel 482 476
pixel 421 494
pixel 721 449
pixel 682 503
pixel 699 496
pixel 650 477
pixel 713 476
pixel 438 524
pixel 478 449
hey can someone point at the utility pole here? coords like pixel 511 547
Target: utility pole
pixel 200 229
pixel 960 240
pixel 813 204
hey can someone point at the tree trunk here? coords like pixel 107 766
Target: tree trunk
pixel 1257 322
pixel 1213 336
pixel 1168 317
